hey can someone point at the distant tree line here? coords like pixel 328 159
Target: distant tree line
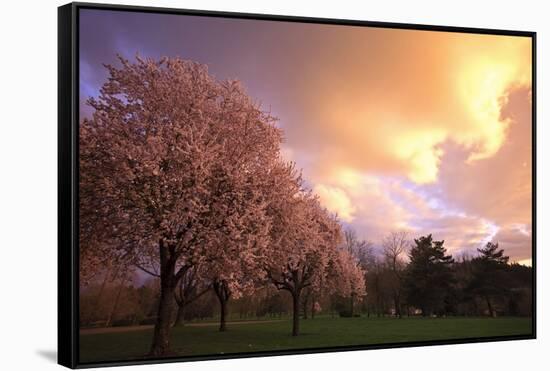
pixel 403 278
pixel 425 280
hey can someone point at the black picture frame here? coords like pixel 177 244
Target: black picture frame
pixel 68 175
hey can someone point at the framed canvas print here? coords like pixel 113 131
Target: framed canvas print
pixel 237 185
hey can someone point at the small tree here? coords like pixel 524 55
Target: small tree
pixel 394 246
pixel 233 276
pixel 192 286
pixel 346 278
pixel 303 237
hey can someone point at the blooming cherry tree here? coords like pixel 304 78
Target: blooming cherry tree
pixel 303 237
pixel 346 278
pixel 168 166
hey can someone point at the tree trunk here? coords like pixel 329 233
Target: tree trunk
pixel 161 334
pixel 368 308
pixel 180 316
pixel 490 307
pixel 397 304
pixel 313 307
pixel 222 292
pixel 351 299
pixel 305 306
pixel 296 312
pixel 223 315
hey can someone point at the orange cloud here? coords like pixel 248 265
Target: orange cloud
pixel 386 101
pixel 422 131
pixel 336 200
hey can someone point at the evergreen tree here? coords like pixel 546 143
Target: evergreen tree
pixel 429 276
pixel 490 281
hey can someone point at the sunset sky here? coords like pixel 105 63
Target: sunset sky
pixel 394 129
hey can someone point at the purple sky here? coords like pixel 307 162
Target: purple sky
pixel 394 129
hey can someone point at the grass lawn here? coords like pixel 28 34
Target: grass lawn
pixel 319 332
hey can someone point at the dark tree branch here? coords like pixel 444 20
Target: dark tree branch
pixel 147 271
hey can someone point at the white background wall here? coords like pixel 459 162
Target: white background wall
pixel 28 181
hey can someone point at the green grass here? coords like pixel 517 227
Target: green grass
pixel 319 332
